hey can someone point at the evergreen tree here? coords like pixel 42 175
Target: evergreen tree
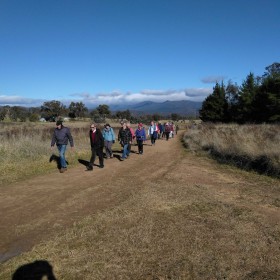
pixel 214 108
pixel 232 97
pixel 267 101
pixel 247 94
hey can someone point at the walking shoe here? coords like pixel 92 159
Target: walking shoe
pixel 101 166
pixel 62 170
pixel 89 168
pixel 121 159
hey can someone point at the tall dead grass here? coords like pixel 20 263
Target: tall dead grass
pixel 168 229
pixel 25 149
pixel 250 147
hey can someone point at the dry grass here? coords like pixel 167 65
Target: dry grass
pixel 251 147
pixel 163 232
pixel 25 149
pixel 179 226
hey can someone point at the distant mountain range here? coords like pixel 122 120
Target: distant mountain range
pixel 183 107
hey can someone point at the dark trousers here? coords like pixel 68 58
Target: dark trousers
pixel 167 135
pixel 153 138
pixel 140 146
pixel 96 152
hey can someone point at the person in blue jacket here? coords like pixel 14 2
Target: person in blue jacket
pixel 140 136
pixel 109 139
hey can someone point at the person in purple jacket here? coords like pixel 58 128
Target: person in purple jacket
pixel 60 137
pixel 140 136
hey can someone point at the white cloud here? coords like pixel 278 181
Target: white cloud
pixel 213 79
pixel 192 94
pixel 197 94
pixel 15 100
pixel 115 97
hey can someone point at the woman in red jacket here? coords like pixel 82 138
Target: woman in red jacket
pixel 97 144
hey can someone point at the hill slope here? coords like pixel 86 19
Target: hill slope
pixel 183 107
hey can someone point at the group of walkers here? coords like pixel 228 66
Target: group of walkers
pixel 105 138
pixel 158 131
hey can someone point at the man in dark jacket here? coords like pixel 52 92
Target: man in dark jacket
pixel 97 144
pixel 60 137
pixel 125 138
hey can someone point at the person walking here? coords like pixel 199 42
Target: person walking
pixel 61 136
pixel 160 128
pixel 163 131
pixel 133 136
pixel 153 132
pixel 172 130
pixel 177 128
pixel 97 144
pixel 140 136
pixel 109 139
pixel 125 138
pixel 167 130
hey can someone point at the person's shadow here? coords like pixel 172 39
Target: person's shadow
pixel 86 163
pixel 117 154
pixel 37 270
pixel 56 159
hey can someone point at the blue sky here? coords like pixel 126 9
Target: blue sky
pixel 114 51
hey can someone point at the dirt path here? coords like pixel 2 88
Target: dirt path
pixel 36 209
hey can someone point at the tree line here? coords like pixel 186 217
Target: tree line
pixel 52 110
pixel 257 100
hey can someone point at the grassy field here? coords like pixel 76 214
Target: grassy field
pixel 25 149
pixel 172 215
pixel 250 147
pixel 189 219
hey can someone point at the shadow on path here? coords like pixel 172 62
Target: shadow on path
pixel 34 271
pixel 56 159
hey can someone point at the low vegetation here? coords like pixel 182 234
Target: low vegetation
pixel 194 220
pixel 25 149
pixel 250 147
